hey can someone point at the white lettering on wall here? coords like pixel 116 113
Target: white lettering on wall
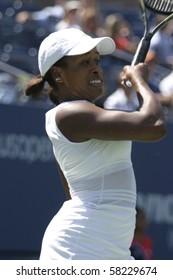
pixel 23 147
pixel 158 207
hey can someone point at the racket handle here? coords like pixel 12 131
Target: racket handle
pixel 140 53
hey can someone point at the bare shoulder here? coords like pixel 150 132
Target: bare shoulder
pixel 74 117
pixel 77 105
pixel 74 110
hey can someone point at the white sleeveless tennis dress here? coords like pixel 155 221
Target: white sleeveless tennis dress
pixel 99 221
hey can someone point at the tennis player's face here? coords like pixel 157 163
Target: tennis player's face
pixel 83 76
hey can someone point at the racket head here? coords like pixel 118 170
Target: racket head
pixel 160 6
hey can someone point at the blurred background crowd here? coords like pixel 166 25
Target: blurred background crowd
pixel 24 24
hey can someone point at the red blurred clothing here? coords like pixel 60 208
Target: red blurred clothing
pixel 142 245
pixel 121 43
pixel 143 249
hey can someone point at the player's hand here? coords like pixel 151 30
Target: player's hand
pixel 135 74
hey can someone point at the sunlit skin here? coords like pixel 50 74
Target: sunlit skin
pixel 82 78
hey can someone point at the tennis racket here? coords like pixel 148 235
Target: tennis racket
pixel 164 7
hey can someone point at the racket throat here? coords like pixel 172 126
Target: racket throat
pixel 142 52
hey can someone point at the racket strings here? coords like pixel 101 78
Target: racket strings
pixel 163 6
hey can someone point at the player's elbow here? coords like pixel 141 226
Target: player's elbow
pixel 153 128
pixel 158 130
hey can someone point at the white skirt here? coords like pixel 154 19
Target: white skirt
pixel 89 231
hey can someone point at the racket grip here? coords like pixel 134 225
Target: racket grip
pixel 140 53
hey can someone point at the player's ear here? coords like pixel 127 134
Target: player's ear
pixel 56 73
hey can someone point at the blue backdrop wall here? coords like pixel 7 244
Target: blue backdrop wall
pixel 31 191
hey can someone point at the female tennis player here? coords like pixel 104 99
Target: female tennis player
pixel 92 147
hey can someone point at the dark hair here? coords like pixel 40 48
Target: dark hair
pixel 36 85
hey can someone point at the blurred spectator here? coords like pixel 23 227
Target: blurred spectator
pixel 89 3
pixel 49 15
pixel 8 88
pixel 71 18
pixel 166 86
pixel 161 48
pixel 123 98
pixel 91 22
pixel 55 11
pixel 11 86
pixel 166 94
pixel 142 245
pixel 121 32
